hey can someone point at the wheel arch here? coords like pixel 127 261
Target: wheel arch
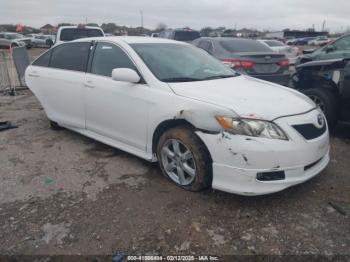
pixel 168 124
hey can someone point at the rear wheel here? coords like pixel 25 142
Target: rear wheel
pixel 327 102
pixel 184 159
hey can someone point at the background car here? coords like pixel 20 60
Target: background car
pixel 181 34
pixel 8 39
pixel 41 41
pixel 303 40
pixel 291 41
pixel 327 83
pixel 70 33
pixel 292 53
pixel 320 41
pixel 340 48
pixel 248 56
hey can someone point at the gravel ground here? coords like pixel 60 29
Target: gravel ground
pixel 62 193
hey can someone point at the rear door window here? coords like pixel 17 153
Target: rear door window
pixel 71 56
pixel 108 57
pixel 70 34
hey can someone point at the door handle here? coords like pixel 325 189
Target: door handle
pixel 89 84
pixel 33 74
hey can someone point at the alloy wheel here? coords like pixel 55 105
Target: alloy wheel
pixel 178 162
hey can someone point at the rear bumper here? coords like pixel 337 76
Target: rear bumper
pixel 281 79
pixel 293 60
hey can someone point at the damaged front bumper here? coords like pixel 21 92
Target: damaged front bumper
pixel 240 161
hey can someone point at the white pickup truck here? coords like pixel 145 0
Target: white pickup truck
pixel 70 33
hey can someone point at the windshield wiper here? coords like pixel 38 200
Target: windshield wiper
pixel 180 79
pixel 219 77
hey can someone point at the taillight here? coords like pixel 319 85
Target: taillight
pixel 234 63
pixel 283 63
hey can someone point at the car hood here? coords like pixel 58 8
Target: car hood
pixel 247 96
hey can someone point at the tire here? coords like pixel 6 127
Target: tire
pixel 55 126
pixel 327 101
pixel 14 45
pixel 200 160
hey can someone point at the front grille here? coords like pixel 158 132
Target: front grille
pixel 310 131
pixel 271 176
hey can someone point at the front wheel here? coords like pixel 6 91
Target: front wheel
pixel 184 159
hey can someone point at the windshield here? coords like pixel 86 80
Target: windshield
pixel 70 34
pixel 274 43
pixel 186 36
pixel 181 63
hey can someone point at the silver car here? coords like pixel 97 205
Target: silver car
pixel 8 39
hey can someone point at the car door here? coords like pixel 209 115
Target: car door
pixel 116 110
pixel 59 86
pixel 41 41
pixel 345 94
pixel 339 49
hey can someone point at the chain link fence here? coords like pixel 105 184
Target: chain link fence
pixel 12 67
pixel 5 80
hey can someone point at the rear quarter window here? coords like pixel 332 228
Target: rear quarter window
pixel 43 60
pixel 242 46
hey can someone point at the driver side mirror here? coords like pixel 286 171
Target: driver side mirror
pixel 329 48
pixel 125 75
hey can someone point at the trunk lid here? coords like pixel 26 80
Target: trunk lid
pixel 265 63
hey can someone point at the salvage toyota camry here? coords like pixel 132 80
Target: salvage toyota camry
pixel 171 102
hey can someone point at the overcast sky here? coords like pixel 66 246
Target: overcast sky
pixel 260 14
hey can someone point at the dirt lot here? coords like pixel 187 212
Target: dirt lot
pixel 62 193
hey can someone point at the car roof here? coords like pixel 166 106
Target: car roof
pixel 131 40
pixel 80 27
pixel 227 39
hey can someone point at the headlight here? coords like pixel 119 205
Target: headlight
pixel 251 127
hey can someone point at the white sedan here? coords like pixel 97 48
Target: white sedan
pixel 171 102
pixel 292 52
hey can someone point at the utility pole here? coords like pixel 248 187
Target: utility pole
pixel 324 25
pixel 141 18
